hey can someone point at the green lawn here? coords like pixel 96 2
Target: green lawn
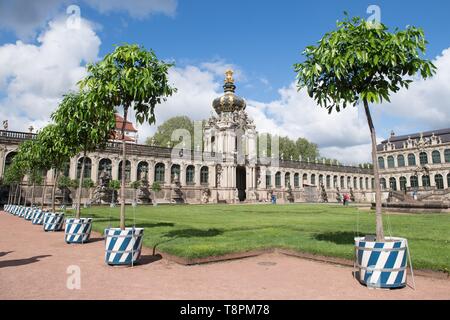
pixel 196 231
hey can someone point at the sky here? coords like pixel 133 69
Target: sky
pixel 45 45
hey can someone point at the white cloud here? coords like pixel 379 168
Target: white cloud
pixel 427 102
pixel 33 78
pixel 135 8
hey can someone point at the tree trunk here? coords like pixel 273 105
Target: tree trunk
pixel 44 190
pixel 54 189
pixel 80 185
pixel 124 163
pixel 379 218
pixel 20 193
pixel 10 194
pixel 32 194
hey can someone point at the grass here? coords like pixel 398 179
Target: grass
pixel 197 231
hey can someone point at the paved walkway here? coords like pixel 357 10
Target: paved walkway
pixel 33 265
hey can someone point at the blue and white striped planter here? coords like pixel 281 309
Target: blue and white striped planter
pixel 123 247
pixel 78 230
pixel 6 208
pixel 382 264
pixel 17 211
pixel 38 217
pixel 53 221
pixel 29 213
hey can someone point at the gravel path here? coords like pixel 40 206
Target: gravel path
pixel 34 265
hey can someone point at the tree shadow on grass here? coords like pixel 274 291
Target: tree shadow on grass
pixel 21 262
pixel 340 237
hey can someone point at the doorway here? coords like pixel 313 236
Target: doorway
pixel 241 182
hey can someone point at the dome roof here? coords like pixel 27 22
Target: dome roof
pixel 229 102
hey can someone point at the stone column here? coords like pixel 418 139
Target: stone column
pixel 73 168
pixel 2 160
pixel 115 169
pixel 133 168
pixel 151 172
pixel 94 168
pixel 197 174
pixel 168 167
pixel 212 176
pixel 183 174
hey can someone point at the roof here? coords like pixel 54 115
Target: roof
pixel 443 134
pixel 128 125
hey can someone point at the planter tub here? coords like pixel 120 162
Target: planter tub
pixel 123 247
pixel 6 208
pixel 53 221
pixel 23 212
pixel 78 230
pixel 381 264
pixel 17 211
pixel 29 213
pixel 38 217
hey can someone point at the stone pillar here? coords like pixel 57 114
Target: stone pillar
pixel 115 169
pixel 133 168
pixel 167 170
pixel 212 176
pixel 94 168
pixel 183 174
pixel 197 174
pixel 151 172
pixel 73 168
pixel 2 160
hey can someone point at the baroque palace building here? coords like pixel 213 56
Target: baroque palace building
pixel 418 163
pixel 231 167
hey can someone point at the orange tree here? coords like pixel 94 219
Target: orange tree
pixel 361 63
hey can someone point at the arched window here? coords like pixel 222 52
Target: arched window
pixel 381 162
pixel 268 179
pixel 411 160
pixel 127 171
pixel 342 182
pixel 313 179
pixel 87 167
pixel 159 172
pixel 142 170
pixel 278 179
pixel 361 183
pixel 367 183
pixel 287 179
pixel 393 184
pixel 320 179
pixel 436 156
pixel 447 155
pixel 414 182
pixel 296 180
pixel 391 162
pixel 403 183
pixel 448 180
pixel 423 158
pixel 335 181
pixel 305 178
pixel 349 181
pixel 372 184
pixel 204 175
pixel 439 181
pixel 401 161
pixel 328 182
pixel 174 171
pixel 190 175
pixel 383 183
pixel 105 165
pixel 355 183
pixel 9 158
pixel 425 181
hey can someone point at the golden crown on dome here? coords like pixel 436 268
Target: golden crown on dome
pixel 229 102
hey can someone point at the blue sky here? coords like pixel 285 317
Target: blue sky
pixel 261 40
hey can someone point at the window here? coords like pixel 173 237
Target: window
pixel 305 178
pixel 403 183
pixel 423 157
pixel 328 182
pixel 342 182
pixel 448 180
pixel 367 183
pixel 391 163
pixel 436 157
pixel 142 170
pixel 349 181
pixel 9 158
pixel 159 172
pixel 383 183
pixel 425 181
pixel 204 173
pixel 411 160
pixel 439 180
pixel 278 179
pixel 361 183
pixel 373 184
pixel 287 179
pixel 268 179
pixel 174 171
pixel 355 183
pixel 190 175
pixel 381 162
pixel 296 180
pixel 320 179
pixel 87 168
pixel 335 181
pixel 414 182
pixel 105 165
pixel 127 171
pixel 447 155
pixel 313 179
pixel 401 161
pixel 393 184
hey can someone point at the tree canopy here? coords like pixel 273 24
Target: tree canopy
pixel 164 132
